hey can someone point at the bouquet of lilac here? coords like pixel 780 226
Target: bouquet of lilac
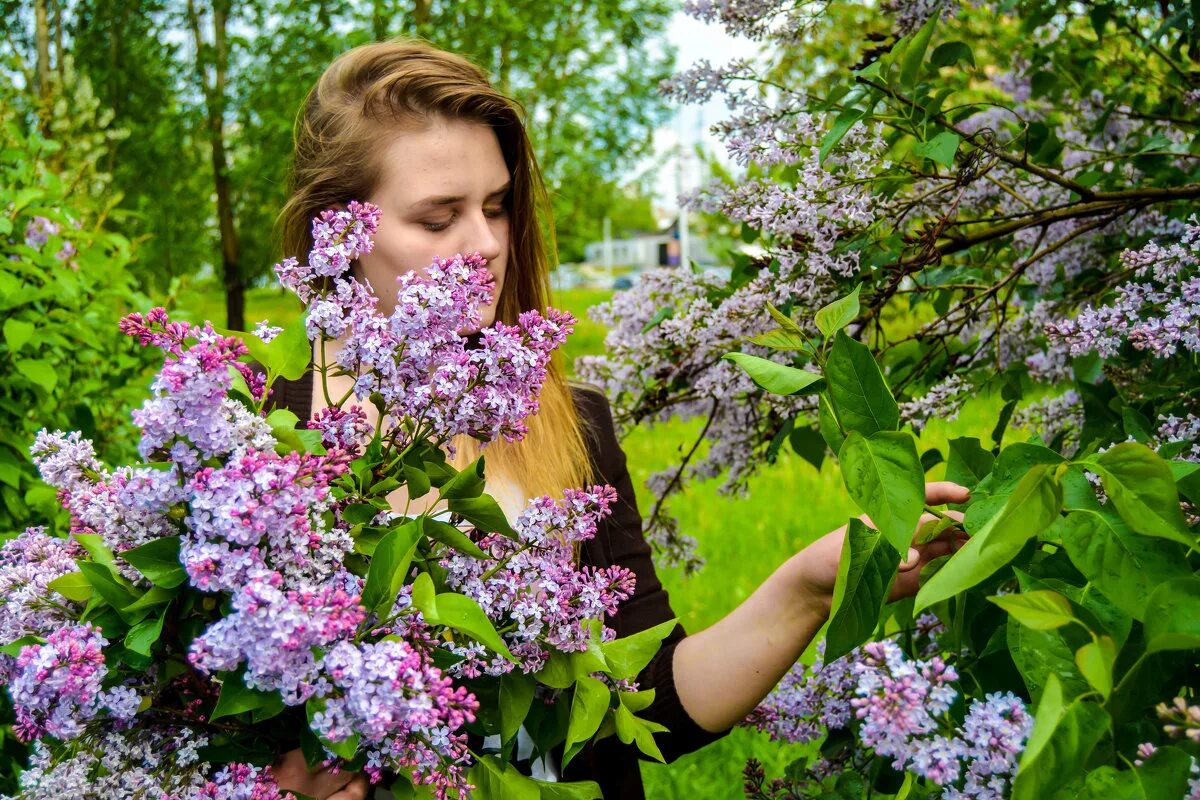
pixel 249 588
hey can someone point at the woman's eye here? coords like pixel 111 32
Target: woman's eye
pixel 436 226
pixel 493 213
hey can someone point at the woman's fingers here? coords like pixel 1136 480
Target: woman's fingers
pixel 291 773
pixel 940 492
pixel 354 790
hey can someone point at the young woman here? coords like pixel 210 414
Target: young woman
pixel 422 134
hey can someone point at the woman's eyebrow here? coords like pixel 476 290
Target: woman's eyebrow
pixel 448 200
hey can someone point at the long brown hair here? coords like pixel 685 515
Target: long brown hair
pixel 361 99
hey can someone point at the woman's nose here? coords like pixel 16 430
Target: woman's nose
pixel 483 238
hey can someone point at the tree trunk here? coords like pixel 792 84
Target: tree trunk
pixel 214 93
pixel 42 43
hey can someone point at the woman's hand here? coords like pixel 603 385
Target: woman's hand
pixel 816 566
pixel 291 772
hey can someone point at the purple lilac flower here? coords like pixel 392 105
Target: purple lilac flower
pixel 943 401
pixel 345 429
pixel 267 332
pixel 808 700
pixel 339 237
pixel 56 686
pixel 66 461
pixel 113 762
pixel 188 415
pixel 992 736
pixel 1182 719
pixel 28 563
pixel 406 712
pixel 898 700
pixel 1159 312
pixel 38 231
pixel 275 631
pixel 263 511
pixel 535 585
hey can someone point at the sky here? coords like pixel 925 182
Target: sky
pixel 695 40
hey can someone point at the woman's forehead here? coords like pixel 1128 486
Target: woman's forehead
pixel 444 159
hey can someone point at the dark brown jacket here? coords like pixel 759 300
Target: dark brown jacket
pixel 618 541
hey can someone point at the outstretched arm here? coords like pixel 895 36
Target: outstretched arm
pixel 724 671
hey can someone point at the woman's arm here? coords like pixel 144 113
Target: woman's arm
pixel 724 671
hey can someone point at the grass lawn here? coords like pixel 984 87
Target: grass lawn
pixel 743 539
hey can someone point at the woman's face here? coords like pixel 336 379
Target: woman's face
pixel 442 191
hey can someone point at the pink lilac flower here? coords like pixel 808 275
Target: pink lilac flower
pixel 241 782
pixel 897 700
pixel 532 589
pixel 339 237
pixel 263 511
pixel 406 713
pixel 344 429
pixel 275 631
pixel 56 687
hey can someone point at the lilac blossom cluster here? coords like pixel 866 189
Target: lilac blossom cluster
pixel 263 511
pixel 405 711
pixel 942 401
pixel 1158 313
pixel 39 230
pixel 28 564
pixel 433 385
pixel 56 687
pixel 898 708
pixel 646 352
pixel 278 632
pixel 533 590
pixel 142 762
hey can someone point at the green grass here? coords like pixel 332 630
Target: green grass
pixel 742 539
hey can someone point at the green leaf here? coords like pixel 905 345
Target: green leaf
pixel 142 636
pixel 96 548
pixel 114 589
pixel 1165 774
pixel 467 483
pixel 497 780
pixel 883 474
pixel 786 323
pixel 17 333
pixel 636 701
pixel 635 729
pixel 237 698
pixel 288 355
pixel 1033 506
pixel 389 567
pixel 841 126
pixel 484 513
pixel 827 422
pixel 451 536
pixel 155 597
pixel 940 149
pixel 1041 609
pixel 578 790
pixel 779 339
pixel 809 445
pixel 1063 737
pixel 969 462
pixel 771 375
pixel 1126 567
pixel 39 371
pixel 557 672
pixel 860 395
pixel 866 571
pixel 73 586
pixel 15 647
pixel 1142 487
pixel 629 655
pixel 949 53
pixel 516 696
pixel 461 613
pixel 838 314
pixel 158 560
pixel 1095 661
pixel 1173 616
pixel 910 68
pixel 588 706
